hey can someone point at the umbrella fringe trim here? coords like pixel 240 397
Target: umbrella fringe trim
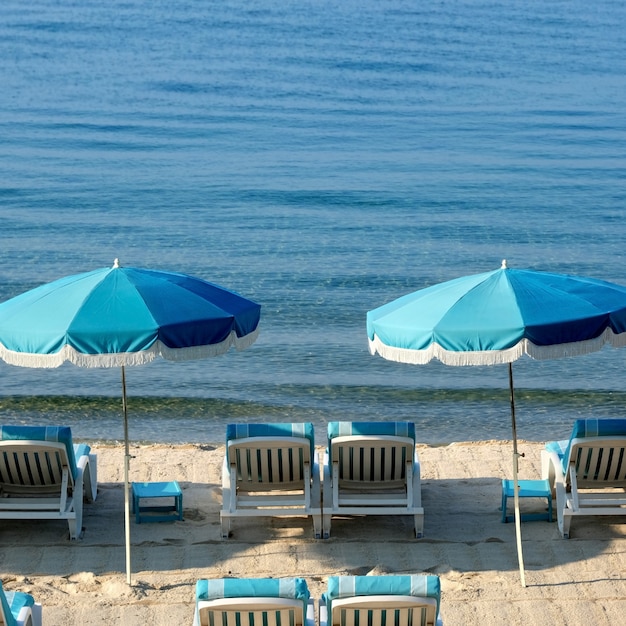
pixel 69 354
pixel 495 357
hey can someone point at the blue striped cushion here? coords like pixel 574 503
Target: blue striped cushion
pixel 293 588
pixel 12 603
pixel 60 434
pixel 558 446
pixel 242 431
pixel 590 427
pixel 397 429
pixel 417 585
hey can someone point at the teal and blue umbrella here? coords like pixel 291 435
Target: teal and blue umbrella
pixel 498 317
pixel 119 316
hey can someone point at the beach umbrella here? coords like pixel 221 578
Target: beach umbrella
pixel 119 316
pixel 498 317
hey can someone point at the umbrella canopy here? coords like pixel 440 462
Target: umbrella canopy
pixel 118 316
pixel 124 316
pixel 498 317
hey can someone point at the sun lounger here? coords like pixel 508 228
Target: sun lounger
pixel 372 468
pixel 270 470
pixel 588 471
pixel 381 600
pixel 44 475
pixel 18 609
pixel 253 602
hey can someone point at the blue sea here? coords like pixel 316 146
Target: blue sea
pixel 321 158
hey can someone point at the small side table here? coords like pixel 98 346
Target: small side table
pixel 150 512
pixel 527 489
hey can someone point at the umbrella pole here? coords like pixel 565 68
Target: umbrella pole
pixel 126 482
pixel 516 455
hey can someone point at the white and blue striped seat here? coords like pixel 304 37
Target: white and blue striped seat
pixel 19 609
pixel 372 468
pixel 412 600
pixel 270 470
pixel 253 602
pixel 588 471
pixel 44 475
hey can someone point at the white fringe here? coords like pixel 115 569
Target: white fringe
pixel 69 354
pixel 495 357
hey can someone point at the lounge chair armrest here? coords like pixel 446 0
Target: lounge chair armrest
pixel 225 473
pixel 229 485
pixel 416 466
pixel 417 482
pixel 37 612
pixel 551 468
pixel 87 465
pixel 327 488
pixel 316 492
pixel 310 613
pixel 323 612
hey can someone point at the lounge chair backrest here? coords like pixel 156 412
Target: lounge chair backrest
pixel 594 434
pixel 11 603
pixel 54 434
pixel 271 455
pixel 243 431
pixel 599 461
pixel 371 451
pixel 378 596
pixel 250 601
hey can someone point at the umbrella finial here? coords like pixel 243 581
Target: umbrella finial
pixel 504 266
pixel 116 263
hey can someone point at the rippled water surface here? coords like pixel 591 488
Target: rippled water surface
pixel 321 158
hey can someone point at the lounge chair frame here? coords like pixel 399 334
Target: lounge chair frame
pixel 270 477
pixel 595 480
pixel 372 475
pixel 36 482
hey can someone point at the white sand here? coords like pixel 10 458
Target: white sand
pixel 580 581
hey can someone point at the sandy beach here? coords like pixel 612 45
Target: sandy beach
pixel 579 581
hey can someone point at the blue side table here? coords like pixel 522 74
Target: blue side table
pixel 527 489
pixel 151 512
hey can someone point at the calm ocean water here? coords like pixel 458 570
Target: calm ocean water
pixel 321 158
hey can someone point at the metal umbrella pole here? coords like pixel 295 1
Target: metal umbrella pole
pixel 516 455
pixel 126 482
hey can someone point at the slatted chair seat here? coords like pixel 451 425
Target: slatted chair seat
pixel 588 471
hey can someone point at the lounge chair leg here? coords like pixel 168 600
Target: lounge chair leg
pixel 326 526
pixel 225 523
pixel 563 520
pixel 419 526
pixel 73 528
pixel 317 526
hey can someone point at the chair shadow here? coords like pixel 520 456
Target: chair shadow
pixel 463 532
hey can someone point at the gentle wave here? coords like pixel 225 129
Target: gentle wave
pixel 441 415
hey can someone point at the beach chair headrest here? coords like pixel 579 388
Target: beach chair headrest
pixel 417 585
